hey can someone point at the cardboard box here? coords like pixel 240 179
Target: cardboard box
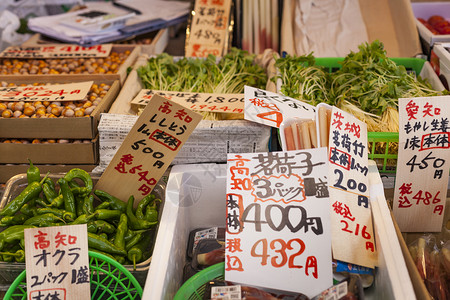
pixel 9 170
pixel 195 198
pixel 55 128
pixel 425 10
pixel 441 62
pixel 68 153
pixel 121 74
pixel 159 41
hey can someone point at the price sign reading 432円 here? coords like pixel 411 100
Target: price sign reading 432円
pixel 423 163
pixel 351 216
pixel 278 221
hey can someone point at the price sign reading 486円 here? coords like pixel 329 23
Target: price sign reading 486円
pixel 423 163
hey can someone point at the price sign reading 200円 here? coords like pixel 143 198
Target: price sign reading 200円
pixel 278 221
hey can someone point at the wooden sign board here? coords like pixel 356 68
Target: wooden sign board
pixel 222 103
pixel 278 221
pixel 57 92
pixel 351 217
pixel 422 164
pixel 148 149
pixel 57 51
pixel 57 262
pixel 209 28
pixel 272 109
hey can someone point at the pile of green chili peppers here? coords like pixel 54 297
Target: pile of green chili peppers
pixel 114 227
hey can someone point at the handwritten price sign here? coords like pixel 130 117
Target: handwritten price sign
pixel 223 103
pixel 209 28
pixel 271 109
pixel 278 230
pixel 351 217
pixel 148 149
pixel 56 92
pixel 422 165
pixel 57 51
pixel 57 262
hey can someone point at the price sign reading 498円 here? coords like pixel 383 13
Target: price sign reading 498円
pixel 422 166
pixel 278 221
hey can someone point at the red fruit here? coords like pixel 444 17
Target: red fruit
pixel 434 19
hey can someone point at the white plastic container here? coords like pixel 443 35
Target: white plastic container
pixel 195 197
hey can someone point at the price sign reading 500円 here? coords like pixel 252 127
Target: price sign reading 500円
pixel 422 166
pixel 278 228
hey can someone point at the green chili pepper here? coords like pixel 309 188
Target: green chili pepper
pixel 131 233
pixel 103 235
pixel 12 234
pixel 133 241
pixel 151 212
pixel 83 219
pixel 69 198
pixel 99 243
pixel 49 192
pixel 143 204
pixel 33 173
pixel 79 202
pixel 17 219
pixel 120 259
pixel 135 223
pixel 29 208
pixel 88 205
pixel 107 214
pixel 122 227
pixel 102 252
pixel 138 252
pixel 113 201
pixel 19 255
pixel 41 202
pixel 30 192
pixel 57 202
pixel 84 176
pixel 60 213
pixel 43 220
pixel 103 205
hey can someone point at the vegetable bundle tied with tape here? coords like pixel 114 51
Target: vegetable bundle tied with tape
pixel 114 228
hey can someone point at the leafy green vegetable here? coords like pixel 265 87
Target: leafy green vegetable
pixel 209 75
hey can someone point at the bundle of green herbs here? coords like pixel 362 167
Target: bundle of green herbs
pixel 368 85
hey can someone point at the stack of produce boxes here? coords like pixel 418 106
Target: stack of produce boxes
pixel 57 135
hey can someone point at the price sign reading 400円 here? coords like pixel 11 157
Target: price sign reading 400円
pixel 278 221
pixel 57 262
pixel 422 165
pixel 351 216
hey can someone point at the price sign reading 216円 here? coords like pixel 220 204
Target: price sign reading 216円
pixel 278 221
pixel 423 163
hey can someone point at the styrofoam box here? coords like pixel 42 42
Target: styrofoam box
pixel 195 197
pixel 425 10
pixel 440 49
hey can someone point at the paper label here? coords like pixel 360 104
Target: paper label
pixel 57 51
pixel 209 28
pixel 231 292
pixel 335 292
pixel 57 262
pixel 223 103
pixel 351 216
pixel 272 109
pixel 57 92
pixel 278 229
pixel 422 164
pixel 149 148
pixel 210 233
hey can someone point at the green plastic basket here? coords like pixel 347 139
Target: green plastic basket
pixel 194 288
pixel 383 150
pixel 109 280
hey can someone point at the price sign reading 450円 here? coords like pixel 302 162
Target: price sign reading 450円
pixel 422 165
pixel 278 221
